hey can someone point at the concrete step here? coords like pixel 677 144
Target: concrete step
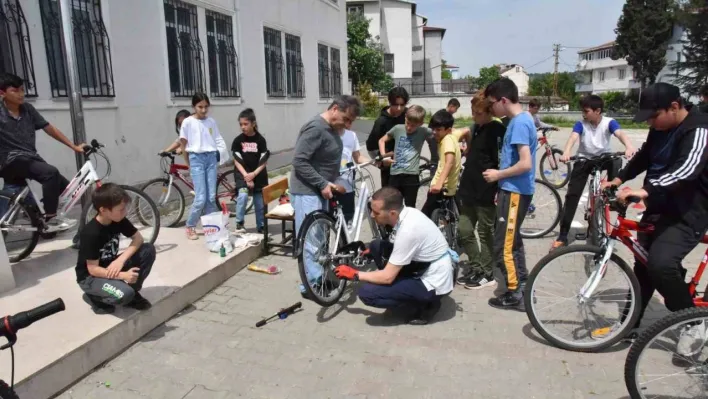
pixel 57 351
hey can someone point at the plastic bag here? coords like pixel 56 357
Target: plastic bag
pixel 216 231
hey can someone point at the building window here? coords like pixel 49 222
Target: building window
pixel 223 60
pixel 388 63
pixel 417 74
pixel 323 71
pixel 518 69
pixel 185 54
pixel 273 46
pixel 601 76
pixel 93 55
pixel 417 48
pixel 295 68
pixel 622 74
pixel 357 9
pixel 336 68
pixel 15 45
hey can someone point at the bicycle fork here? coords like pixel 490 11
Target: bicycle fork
pixel 597 274
pixel 11 214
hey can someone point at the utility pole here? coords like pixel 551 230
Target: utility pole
pixel 556 56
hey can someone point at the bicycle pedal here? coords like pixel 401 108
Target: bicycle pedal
pixel 581 236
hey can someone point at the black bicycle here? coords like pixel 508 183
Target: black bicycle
pixel 9 327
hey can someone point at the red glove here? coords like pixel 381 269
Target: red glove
pixel 346 272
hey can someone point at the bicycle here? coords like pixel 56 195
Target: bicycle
pixel 335 243
pixel 172 207
pixel 447 218
pixel 22 207
pixel 653 344
pixel 551 155
pixel 9 328
pixel 545 198
pixel 584 292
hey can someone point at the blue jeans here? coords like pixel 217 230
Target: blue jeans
pixel 202 167
pixel 406 291
pixel 304 205
pixel 242 201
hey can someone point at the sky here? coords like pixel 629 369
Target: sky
pixel 481 33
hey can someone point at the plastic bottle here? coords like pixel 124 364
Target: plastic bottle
pixel 222 251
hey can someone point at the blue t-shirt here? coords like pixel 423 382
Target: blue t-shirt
pixel 521 131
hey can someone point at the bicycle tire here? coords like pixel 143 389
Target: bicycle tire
pixel 646 337
pixel 33 215
pixel 167 222
pixel 425 165
pixel 556 220
pixel 447 228
pixel 306 224
pixel 88 213
pixel 221 183
pixel 528 299
pixel 6 392
pixel 544 157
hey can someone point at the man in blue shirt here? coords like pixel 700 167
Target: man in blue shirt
pixel 516 188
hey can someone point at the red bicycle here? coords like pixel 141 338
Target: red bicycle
pixel 170 199
pixel 611 287
pixel 553 171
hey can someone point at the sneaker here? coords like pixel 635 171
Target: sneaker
pixel 239 228
pixel 557 244
pixel 481 282
pixel 57 224
pixel 423 315
pixel 604 332
pixel 99 307
pixel 469 276
pixel 139 302
pixel 692 339
pixel 508 300
pixel 192 233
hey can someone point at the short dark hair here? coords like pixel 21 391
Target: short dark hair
pixel 592 101
pixel 503 88
pixel 199 97
pixel 442 119
pixel 704 90
pixel 454 102
pixel 109 196
pixel 181 114
pixel 8 80
pixel 534 103
pixel 391 197
pixel 347 103
pixel 398 92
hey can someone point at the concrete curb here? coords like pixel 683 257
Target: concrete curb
pixel 60 375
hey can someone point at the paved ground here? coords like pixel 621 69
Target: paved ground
pixel 213 350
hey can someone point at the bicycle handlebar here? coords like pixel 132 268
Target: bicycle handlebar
pixel 93 147
pixel 351 166
pixel 10 325
pixel 604 157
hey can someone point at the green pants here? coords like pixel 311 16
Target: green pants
pixel 481 219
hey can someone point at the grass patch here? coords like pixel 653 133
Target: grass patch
pixel 565 122
pixel 279 172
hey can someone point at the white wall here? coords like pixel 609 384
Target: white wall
pixel 520 78
pixel 433 60
pixel 398 38
pixel 139 121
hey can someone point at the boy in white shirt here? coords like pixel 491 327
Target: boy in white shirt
pixel 594 133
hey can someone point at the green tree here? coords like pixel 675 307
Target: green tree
pixel 487 75
pixel 444 72
pixel 693 70
pixel 541 85
pixel 643 31
pixel 365 55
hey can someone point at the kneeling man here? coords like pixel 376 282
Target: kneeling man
pixel 419 270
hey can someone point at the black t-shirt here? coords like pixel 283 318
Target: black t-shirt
pixel 100 242
pixel 249 151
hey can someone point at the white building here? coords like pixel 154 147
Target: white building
pixel 140 61
pixel 599 73
pixel 412 49
pixel 517 74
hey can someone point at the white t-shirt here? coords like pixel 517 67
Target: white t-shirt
pixel 202 135
pixel 595 141
pixel 350 146
pixel 419 239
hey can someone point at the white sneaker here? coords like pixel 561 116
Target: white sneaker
pixel 691 340
pixel 57 224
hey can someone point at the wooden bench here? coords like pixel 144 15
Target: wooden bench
pixel 272 193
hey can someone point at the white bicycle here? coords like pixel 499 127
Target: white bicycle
pixel 22 215
pixel 326 241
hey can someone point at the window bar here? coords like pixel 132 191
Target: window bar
pixel 15 45
pixel 185 52
pixel 223 59
pixel 274 62
pixel 336 73
pixel 324 71
pixel 295 67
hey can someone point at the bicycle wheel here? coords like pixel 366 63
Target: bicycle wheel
pixel 654 369
pixel 544 213
pixel 447 225
pixel 426 171
pixel 557 176
pixel 19 239
pixel 226 192
pixel 6 392
pixel 601 320
pixel 169 201
pixel 317 236
pixel 142 213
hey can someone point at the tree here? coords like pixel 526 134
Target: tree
pixel 486 76
pixel 445 73
pixel 693 70
pixel 541 84
pixel 643 31
pixel 365 55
